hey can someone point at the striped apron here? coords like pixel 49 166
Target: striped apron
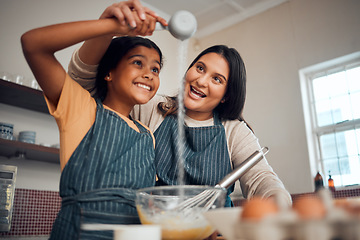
pixel 206 158
pixel 99 182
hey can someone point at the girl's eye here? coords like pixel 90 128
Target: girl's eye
pixel 156 70
pixel 137 62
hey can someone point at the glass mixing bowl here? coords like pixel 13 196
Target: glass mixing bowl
pixel 160 205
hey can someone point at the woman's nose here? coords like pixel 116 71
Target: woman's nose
pixel 202 81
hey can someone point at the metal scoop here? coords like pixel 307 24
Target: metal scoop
pixel 182 25
pixel 209 196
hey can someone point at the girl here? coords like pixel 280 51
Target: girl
pixel 104 155
pixel 217 137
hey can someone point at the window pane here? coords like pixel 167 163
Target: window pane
pixel 349 178
pixel 320 86
pixel 340 155
pixel 337 96
pixel 328 146
pixel 357 134
pixel 332 165
pixel 347 143
pixel 341 146
pixel 337 84
pixel 323 110
pixel 341 108
pixel 355 101
pixel 353 76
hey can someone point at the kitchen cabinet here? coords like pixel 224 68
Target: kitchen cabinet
pixel 31 99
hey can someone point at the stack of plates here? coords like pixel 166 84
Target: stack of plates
pixel 27 136
pixel 6 130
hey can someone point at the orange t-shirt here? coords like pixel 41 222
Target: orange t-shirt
pixel 75 114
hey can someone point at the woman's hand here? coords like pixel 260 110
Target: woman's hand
pixel 140 20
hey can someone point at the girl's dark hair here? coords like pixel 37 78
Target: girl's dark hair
pixel 235 94
pixel 117 49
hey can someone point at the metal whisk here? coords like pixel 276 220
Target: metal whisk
pixel 209 196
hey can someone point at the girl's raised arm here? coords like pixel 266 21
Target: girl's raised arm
pixel 40 44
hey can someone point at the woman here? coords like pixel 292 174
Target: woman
pixel 218 139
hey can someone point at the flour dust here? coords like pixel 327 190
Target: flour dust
pixel 181 58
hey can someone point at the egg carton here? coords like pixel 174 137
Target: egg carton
pixel 288 226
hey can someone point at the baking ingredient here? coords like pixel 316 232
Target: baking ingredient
pixel 309 207
pixel 256 208
pixel 178 227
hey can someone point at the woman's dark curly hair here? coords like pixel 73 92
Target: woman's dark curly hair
pixel 117 49
pixel 235 94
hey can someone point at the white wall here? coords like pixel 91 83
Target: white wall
pixel 275 45
pixel 19 16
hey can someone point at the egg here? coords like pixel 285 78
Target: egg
pixel 256 208
pixel 309 207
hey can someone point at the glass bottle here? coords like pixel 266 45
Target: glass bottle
pixel 319 183
pixel 331 183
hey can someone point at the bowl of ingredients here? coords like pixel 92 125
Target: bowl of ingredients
pixel 179 209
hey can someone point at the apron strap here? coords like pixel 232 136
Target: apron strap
pixel 115 194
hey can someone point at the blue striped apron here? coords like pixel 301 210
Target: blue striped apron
pixel 99 182
pixel 206 158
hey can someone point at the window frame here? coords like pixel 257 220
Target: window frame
pixel 313 132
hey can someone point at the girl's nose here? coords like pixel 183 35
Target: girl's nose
pixel 147 74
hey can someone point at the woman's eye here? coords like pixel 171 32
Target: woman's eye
pixel 200 68
pixel 218 80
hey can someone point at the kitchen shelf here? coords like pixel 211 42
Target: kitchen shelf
pixel 31 99
pixel 10 148
pixel 22 96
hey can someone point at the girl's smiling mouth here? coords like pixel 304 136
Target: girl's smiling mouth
pixel 144 86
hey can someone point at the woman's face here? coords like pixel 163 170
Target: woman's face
pixel 205 86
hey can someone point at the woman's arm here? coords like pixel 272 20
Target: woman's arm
pixel 260 180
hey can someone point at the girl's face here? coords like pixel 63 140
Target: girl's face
pixel 205 86
pixel 135 79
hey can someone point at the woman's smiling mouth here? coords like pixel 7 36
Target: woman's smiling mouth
pixel 196 93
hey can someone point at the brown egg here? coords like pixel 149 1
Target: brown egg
pixel 309 207
pixel 257 208
pixel 350 205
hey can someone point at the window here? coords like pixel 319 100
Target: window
pixel 331 102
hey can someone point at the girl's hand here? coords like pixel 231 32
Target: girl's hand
pixel 213 236
pixel 135 16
